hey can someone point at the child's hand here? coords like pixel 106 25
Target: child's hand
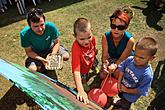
pixel 123 88
pixel 105 67
pixel 82 96
pixel 119 87
pixel 112 68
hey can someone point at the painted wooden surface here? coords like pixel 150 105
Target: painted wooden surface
pixel 48 93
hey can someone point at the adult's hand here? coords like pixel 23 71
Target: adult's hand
pixel 112 68
pixel 44 61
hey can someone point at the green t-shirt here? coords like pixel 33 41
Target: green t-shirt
pixel 39 42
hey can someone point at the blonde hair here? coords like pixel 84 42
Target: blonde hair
pixel 149 44
pixel 81 25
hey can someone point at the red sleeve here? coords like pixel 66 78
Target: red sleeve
pixel 94 43
pixel 75 57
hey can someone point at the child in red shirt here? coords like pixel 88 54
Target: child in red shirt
pixel 83 55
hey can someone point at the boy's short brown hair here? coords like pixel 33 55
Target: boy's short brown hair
pixel 34 16
pixel 149 44
pixel 81 25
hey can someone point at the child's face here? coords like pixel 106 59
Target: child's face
pixel 84 38
pixel 142 57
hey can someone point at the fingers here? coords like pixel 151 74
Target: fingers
pixel 119 87
pixel 83 98
pixel 123 88
pixel 45 62
pixel 80 98
pixel 86 101
pixel 112 67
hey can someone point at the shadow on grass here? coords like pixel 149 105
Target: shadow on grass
pixel 12 15
pixel 14 97
pixel 153 15
pixel 159 86
pixel 159 76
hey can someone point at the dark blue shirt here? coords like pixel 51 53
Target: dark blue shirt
pixel 113 51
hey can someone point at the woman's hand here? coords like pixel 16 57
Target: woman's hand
pixel 112 68
pixel 83 97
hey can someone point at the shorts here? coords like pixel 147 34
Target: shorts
pixel 96 62
pixel 63 51
pixel 84 78
pixel 122 103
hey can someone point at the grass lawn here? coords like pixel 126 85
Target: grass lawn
pixel 146 22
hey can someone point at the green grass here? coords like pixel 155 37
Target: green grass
pixel 63 13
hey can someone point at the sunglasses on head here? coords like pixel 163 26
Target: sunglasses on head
pixel 35 12
pixel 119 27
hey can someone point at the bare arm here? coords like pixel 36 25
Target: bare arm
pixel 32 54
pixel 120 77
pixel 121 87
pixel 56 45
pixel 104 49
pixel 82 96
pixel 127 51
pixel 127 90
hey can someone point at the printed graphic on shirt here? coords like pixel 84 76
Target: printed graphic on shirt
pixel 127 81
pixel 48 37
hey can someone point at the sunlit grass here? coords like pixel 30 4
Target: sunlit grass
pixel 97 11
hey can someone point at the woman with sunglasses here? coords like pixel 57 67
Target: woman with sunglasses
pixel 117 44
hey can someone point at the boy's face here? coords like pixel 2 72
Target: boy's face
pixel 84 38
pixel 117 28
pixel 39 27
pixel 142 57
